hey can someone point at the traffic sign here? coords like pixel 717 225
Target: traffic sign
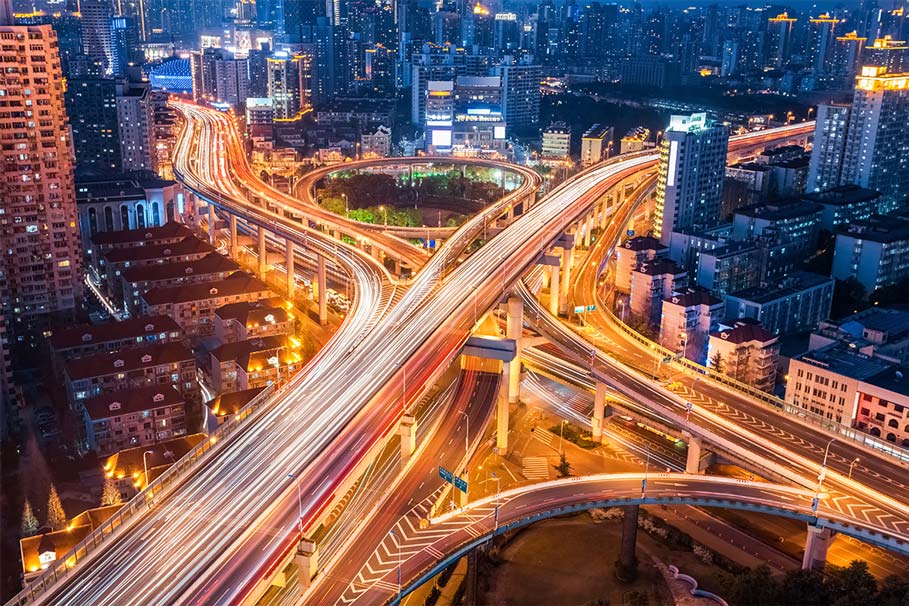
pixel 591 308
pixel 579 309
pixel 461 484
pixel 629 232
pixel 688 406
pixel 445 474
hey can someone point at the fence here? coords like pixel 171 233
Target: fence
pixel 141 502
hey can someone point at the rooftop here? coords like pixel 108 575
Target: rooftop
pixel 692 297
pixel 658 267
pixel 107 363
pixel 168 231
pixel 885 229
pixel 83 334
pixel 61 541
pixel 643 243
pixel 190 245
pixel 794 284
pixel 257 313
pixel 100 185
pixel 241 350
pixel 129 401
pixel 842 195
pixel 895 379
pixel 752 166
pixel 842 360
pixel 597 131
pixel 780 210
pixel 231 403
pixel 131 461
pixel 235 284
pixel 746 332
pixel 212 263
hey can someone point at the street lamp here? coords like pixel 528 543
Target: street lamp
pixel 346 205
pixel 820 476
pixel 561 432
pixel 145 465
pixel 466 443
pixel 495 518
pixel 385 214
pixel 398 543
pixel 851 465
pixel 299 503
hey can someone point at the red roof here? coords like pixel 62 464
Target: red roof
pixel 107 363
pixel 187 246
pixel 213 263
pixel 130 401
pixel 167 231
pixel 90 334
pixel 236 284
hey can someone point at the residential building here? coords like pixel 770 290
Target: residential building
pixel 831 129
pixel 376 143
pixel 520 91
pixel 289 84
pixel 853 389
pixel 260 115
pixel 844 204
pixel 635 140
pixel 128 467
pixel 113 263
pixel 651 282
pixel 193 305
pixel 596 144
pixel 689 186
pixel 244 321
pixel 878 331
pixel 687 319
pixel 746 352
pixel 253 363
pixel 791 222
pixel 135 127
pixel 794 305
pixel 119 202
pixel 631 254
pixel 107 240
pixel 41 268
pixel 136 281
pixel 41 551
pixel 556 141
pixel 755 177
pixel 729 268
pixel 219 76
pixel 649 71
pixel 224 407
pixel 86 339
pixel 153 365
pixel 362 112
pixel 140 416
pixel 874 251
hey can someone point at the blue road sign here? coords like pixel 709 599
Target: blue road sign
pixel 460 484
pixel 591 308
pixel 579 309
pixel 445 474
pixel 629 232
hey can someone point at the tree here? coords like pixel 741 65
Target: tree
pixel 754 587
pixel 111 494
pixel 29 521
pixel 564 467
pixel 894 591
pixel 853 584
pixel 716 362
pixel 805 587
pixel 56 517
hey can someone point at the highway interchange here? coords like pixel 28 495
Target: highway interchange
pixel 212 540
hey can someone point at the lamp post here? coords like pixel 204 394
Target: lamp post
pixel 495 518
pixel 384 214
pixel 398 543
pixel 561 432
pixel 299 504
pixel 851 465
pixel 145 465
pixel 820 476
pixel 346 205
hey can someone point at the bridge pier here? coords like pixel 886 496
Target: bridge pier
pixel 513 330
pixel 695 462
pixel 567 249
pixel 234 248
pixel 627 569
pixel 263 254
pixel 502 406
pixel 307 561
pixel 408 432
pixel 323 295
pixel 816 545
pixel 289 266
pixel 212 222
pixel 599 411
pixel 588 225
pixel 554 289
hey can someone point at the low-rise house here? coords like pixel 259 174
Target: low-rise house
pixel 747 353
pixel 136 281
pixel 243 321
pixel 140 416
pixel 128 467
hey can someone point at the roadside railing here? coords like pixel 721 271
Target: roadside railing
pixel 143 501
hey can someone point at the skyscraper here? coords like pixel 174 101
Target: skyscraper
pixel 689 187
pixel 822 38
pixel 97 41
pixel 40 266
pixel 830 131
pixel 779 30
pixel 520 91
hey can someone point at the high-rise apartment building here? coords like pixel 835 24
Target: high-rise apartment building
pixel 92 103
pixel 97 41
pixel 830 130
pixel 692 166
pixel 218 75
pixel 877 145
pixel 289 88
pixel 821 42
pixel 40 266
pixel 779 31
pixel 520 91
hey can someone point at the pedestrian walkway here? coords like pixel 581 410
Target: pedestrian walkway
pixel 535 468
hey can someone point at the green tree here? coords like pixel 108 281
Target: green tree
pixel 564 467
pixel 333 204
pixel 894 591
pixel 852 584
pixel 29 521
pixel 848 296
pixel 754 587
pixel 111 494
pixel 805 587
pixel 56 517
pixel 716 362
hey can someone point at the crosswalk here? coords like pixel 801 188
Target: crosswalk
pixel 535 468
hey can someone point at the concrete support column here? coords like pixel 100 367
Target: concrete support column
pixel 565 279
pixel 588 225
pixel 554 289
pixel 408 432
pixel 628 559
pixel 816 546
pixel 323 294
pixel 263 254
pixel 599 411
pixel 397 267
pixel 604 207
pixel 234 248
pixel 289 265
pixel 212 220
pixel 693 463
pixel 307 561
pixel 460 495
pixel 514 330
pixel 502 411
